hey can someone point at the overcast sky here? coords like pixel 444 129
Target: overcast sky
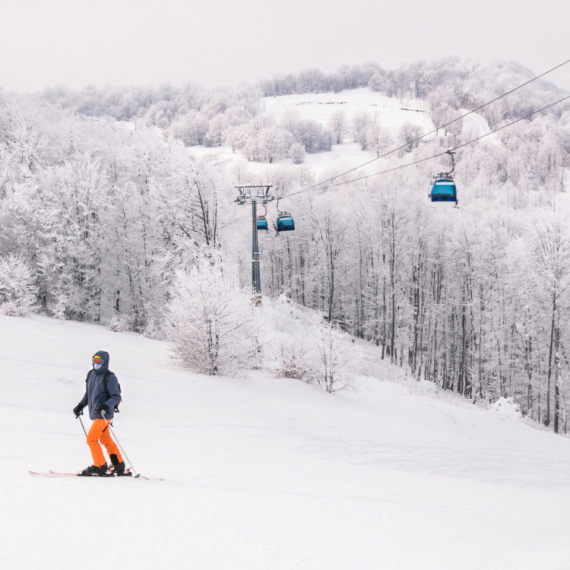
pixel 219 42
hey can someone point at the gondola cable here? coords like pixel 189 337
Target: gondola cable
pixel 429 157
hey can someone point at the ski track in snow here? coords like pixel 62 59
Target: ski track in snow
pixel 266 473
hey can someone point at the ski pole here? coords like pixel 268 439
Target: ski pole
pixel 79 418
pixel 119 444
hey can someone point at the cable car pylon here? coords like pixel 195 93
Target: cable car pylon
pixel 254 195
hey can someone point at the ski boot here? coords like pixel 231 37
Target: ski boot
pixel 94 471
pixel 118 467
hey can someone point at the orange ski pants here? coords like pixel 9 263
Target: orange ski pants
pixel 99 432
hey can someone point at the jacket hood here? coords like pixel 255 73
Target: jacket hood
pixel 105 359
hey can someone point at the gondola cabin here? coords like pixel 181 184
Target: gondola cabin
pixel 443 193
pixel 285 223
pixel 262 223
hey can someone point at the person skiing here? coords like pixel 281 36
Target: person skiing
pixel 102 393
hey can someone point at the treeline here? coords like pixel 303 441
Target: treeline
pixel 316 81
pixel 447 83
pixel 102 214
pixel 476 299
pixel 234 116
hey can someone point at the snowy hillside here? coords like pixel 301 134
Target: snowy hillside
pixel 266 473
pixel 392 112
pixel 320 107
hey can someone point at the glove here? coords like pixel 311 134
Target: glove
pixel 102 408
pixel 78 410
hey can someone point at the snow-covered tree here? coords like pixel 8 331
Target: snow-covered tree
pixel 294 357
pixel 297 153
pixel 273 143
pixel 338 124
pixel 216 129
pixel 379 139
pixel 361 122
pixel 212 323
pixel 18 291
pixel 191 128
pixel 408 136
pixel 331 359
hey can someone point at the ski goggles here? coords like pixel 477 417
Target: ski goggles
pixel 97 360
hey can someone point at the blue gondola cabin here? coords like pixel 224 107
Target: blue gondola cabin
pixel 443 193
pixel 285 223
pixel 262 223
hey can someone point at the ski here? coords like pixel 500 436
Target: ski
pixel 109 474
pixel 128 473
pixel 55 474
pixel 49 474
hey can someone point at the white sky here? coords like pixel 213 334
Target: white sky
pixel 218 42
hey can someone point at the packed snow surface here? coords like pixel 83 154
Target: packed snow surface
pixel 266 473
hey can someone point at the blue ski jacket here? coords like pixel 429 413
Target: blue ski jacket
pixel 96 393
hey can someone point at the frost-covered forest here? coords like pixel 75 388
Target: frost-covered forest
pixel 108 207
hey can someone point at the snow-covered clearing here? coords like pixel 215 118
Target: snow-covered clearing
pixel 391 112
pixel 266 473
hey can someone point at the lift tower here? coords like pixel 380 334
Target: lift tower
pixel 252 195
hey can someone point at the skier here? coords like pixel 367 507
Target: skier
pixel 102 393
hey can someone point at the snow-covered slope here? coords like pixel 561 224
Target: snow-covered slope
pixel 390 112
pixel 266 473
